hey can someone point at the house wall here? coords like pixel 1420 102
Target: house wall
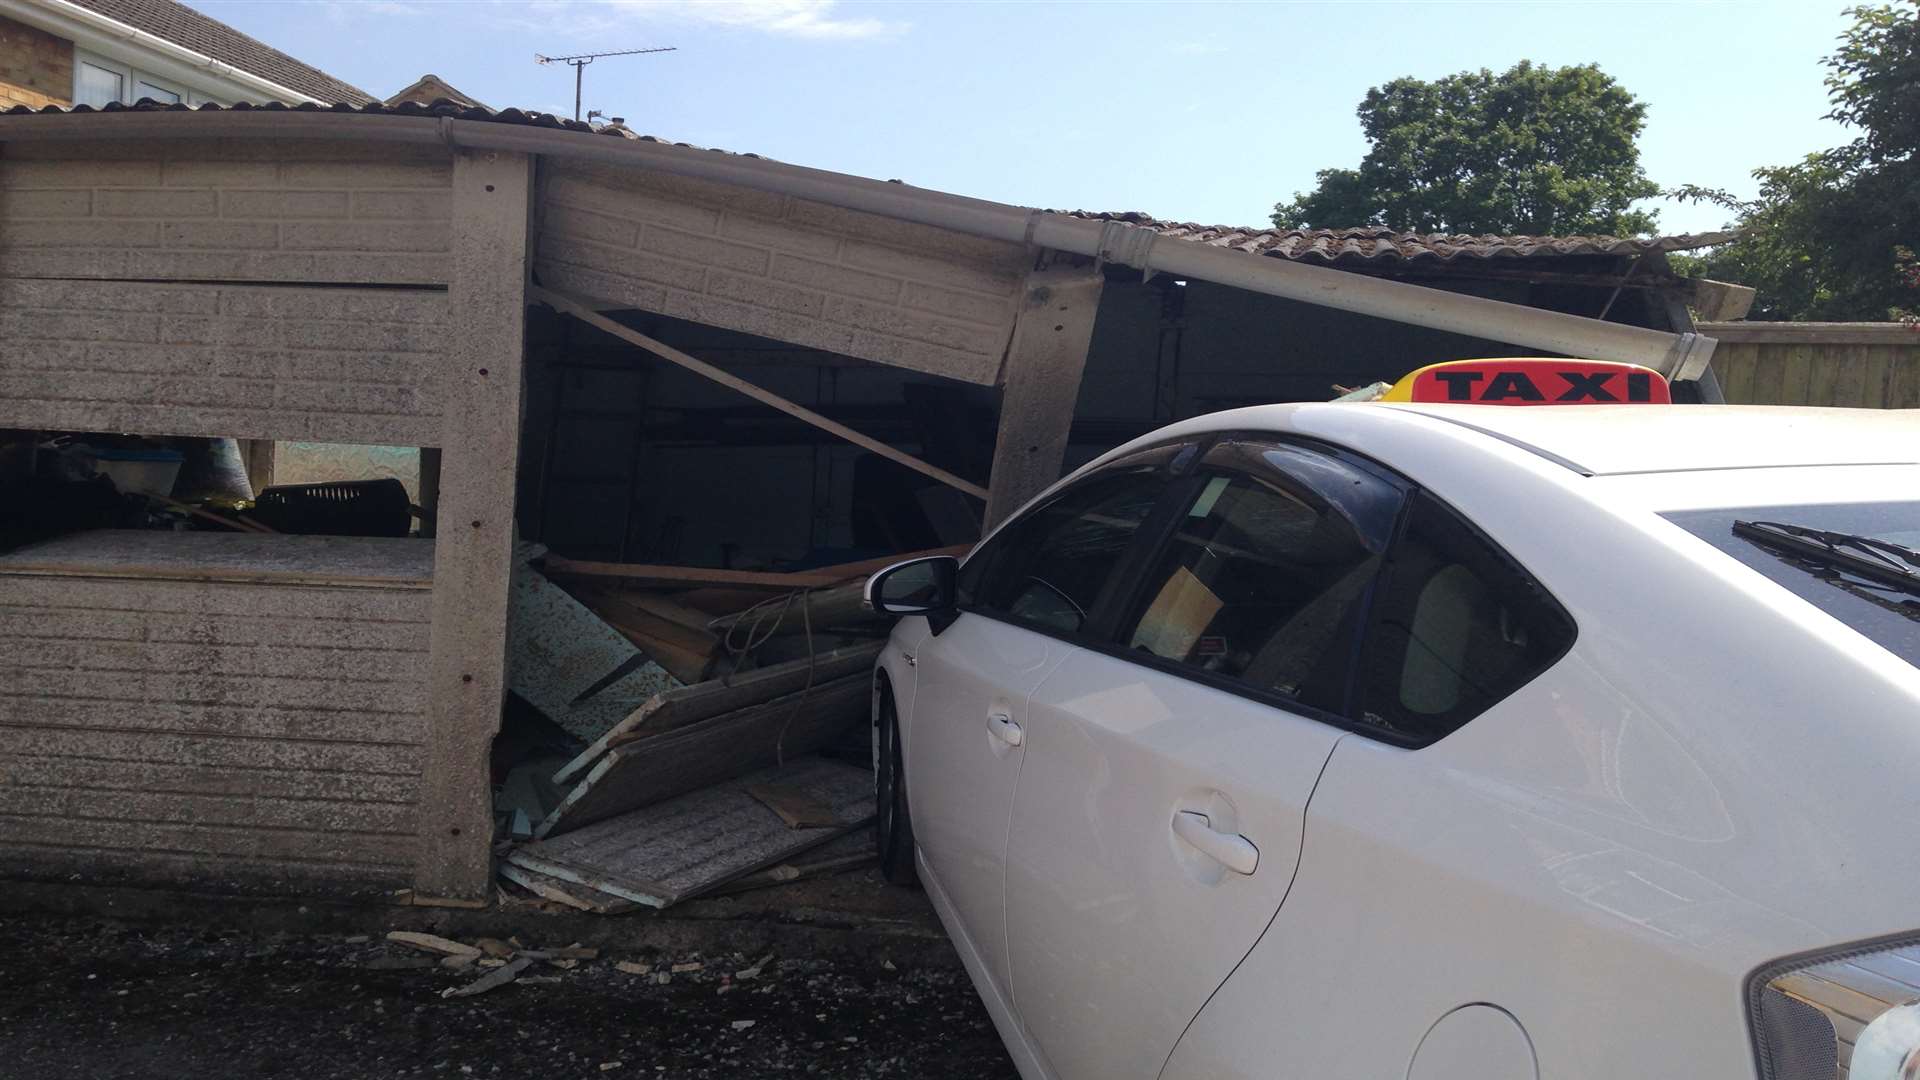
pixel 837 280
pixel 36 68
pixel 242 734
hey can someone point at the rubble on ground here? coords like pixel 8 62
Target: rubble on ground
pixel 692 731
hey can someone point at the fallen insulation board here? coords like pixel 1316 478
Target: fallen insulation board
pixel 661 767
pixel 670 851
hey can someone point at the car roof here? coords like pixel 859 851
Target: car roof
pixel 1601 440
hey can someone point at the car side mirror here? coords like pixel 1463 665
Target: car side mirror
pixel 916 587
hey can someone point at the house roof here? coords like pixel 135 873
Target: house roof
pixel 1370 246
pixel 430 88
pixel 182 25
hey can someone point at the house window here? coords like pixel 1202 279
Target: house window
pixel 98 81
pixel 95 85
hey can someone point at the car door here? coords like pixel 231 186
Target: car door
pixel 1159 811
pixel 1023 597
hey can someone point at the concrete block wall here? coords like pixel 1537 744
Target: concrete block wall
pixel 36 68
pixel 341 365
pixel 837 280
pixel 222 734
pixel 270 210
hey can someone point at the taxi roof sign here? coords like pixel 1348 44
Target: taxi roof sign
pixel 1533 381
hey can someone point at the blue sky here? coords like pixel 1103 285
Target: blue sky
pixel 1193 111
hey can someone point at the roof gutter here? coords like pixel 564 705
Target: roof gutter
pixel 91 30
pixel 1681 356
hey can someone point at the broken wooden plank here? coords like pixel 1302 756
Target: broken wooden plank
pixel 866 568
pixel 723 601
pixel 432 943
pixel 687 665
pixel 572 895
pixel 700 701
pixel 660 767
pixel 665 608
pixel 583 311
pixel 726 601
pixel 653 574
pixel 635 613
pixel 492 980
pixel 670 851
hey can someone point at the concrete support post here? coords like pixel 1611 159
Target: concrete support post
pixel 473 549
pixel 1041 382
pixel 257 454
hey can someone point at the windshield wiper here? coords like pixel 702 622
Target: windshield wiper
pixel 1864 556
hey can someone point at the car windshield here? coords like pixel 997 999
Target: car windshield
pixel 1831 567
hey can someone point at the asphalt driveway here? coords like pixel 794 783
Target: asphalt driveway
pixel 102 1000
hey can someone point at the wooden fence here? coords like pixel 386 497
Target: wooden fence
pixel 1863 365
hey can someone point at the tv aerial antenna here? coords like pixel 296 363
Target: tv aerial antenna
pixel 579 65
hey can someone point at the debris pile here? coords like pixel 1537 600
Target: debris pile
pixel 692 729
pixel 503 961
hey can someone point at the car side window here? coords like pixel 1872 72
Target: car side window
pixel 1264 579
pixel 1048 568
pixel 1458 625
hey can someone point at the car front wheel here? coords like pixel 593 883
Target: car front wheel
pixel 893 826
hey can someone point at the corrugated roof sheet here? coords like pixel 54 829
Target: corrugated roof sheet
pixel 183 25
pixel 1381 244
pixel 1374 245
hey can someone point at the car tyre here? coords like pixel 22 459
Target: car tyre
pixel 893 825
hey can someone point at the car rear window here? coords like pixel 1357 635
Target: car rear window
pixel 1886 613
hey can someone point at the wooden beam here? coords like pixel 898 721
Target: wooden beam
pixel 630 614
pixel 687 705
pixel 815 612
pixel 473 548
pixel 1044 365
pixel 581 310
pixel 555 566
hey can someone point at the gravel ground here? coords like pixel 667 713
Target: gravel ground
pixel 105 1000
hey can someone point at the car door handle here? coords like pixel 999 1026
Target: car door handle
pixel 1231 850
pixel 1002 727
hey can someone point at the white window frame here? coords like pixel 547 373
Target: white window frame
pixel 133 77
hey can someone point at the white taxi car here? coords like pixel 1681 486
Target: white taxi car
pixel 1448 742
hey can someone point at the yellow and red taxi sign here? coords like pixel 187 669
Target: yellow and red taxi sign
pixel 1533 381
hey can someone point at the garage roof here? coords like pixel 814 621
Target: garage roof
pixel 1378 246
pixel 1381 244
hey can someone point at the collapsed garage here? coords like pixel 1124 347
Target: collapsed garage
pixel 659 409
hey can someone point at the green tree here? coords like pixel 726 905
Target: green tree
pixel 1539 150
pixel 1832 237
